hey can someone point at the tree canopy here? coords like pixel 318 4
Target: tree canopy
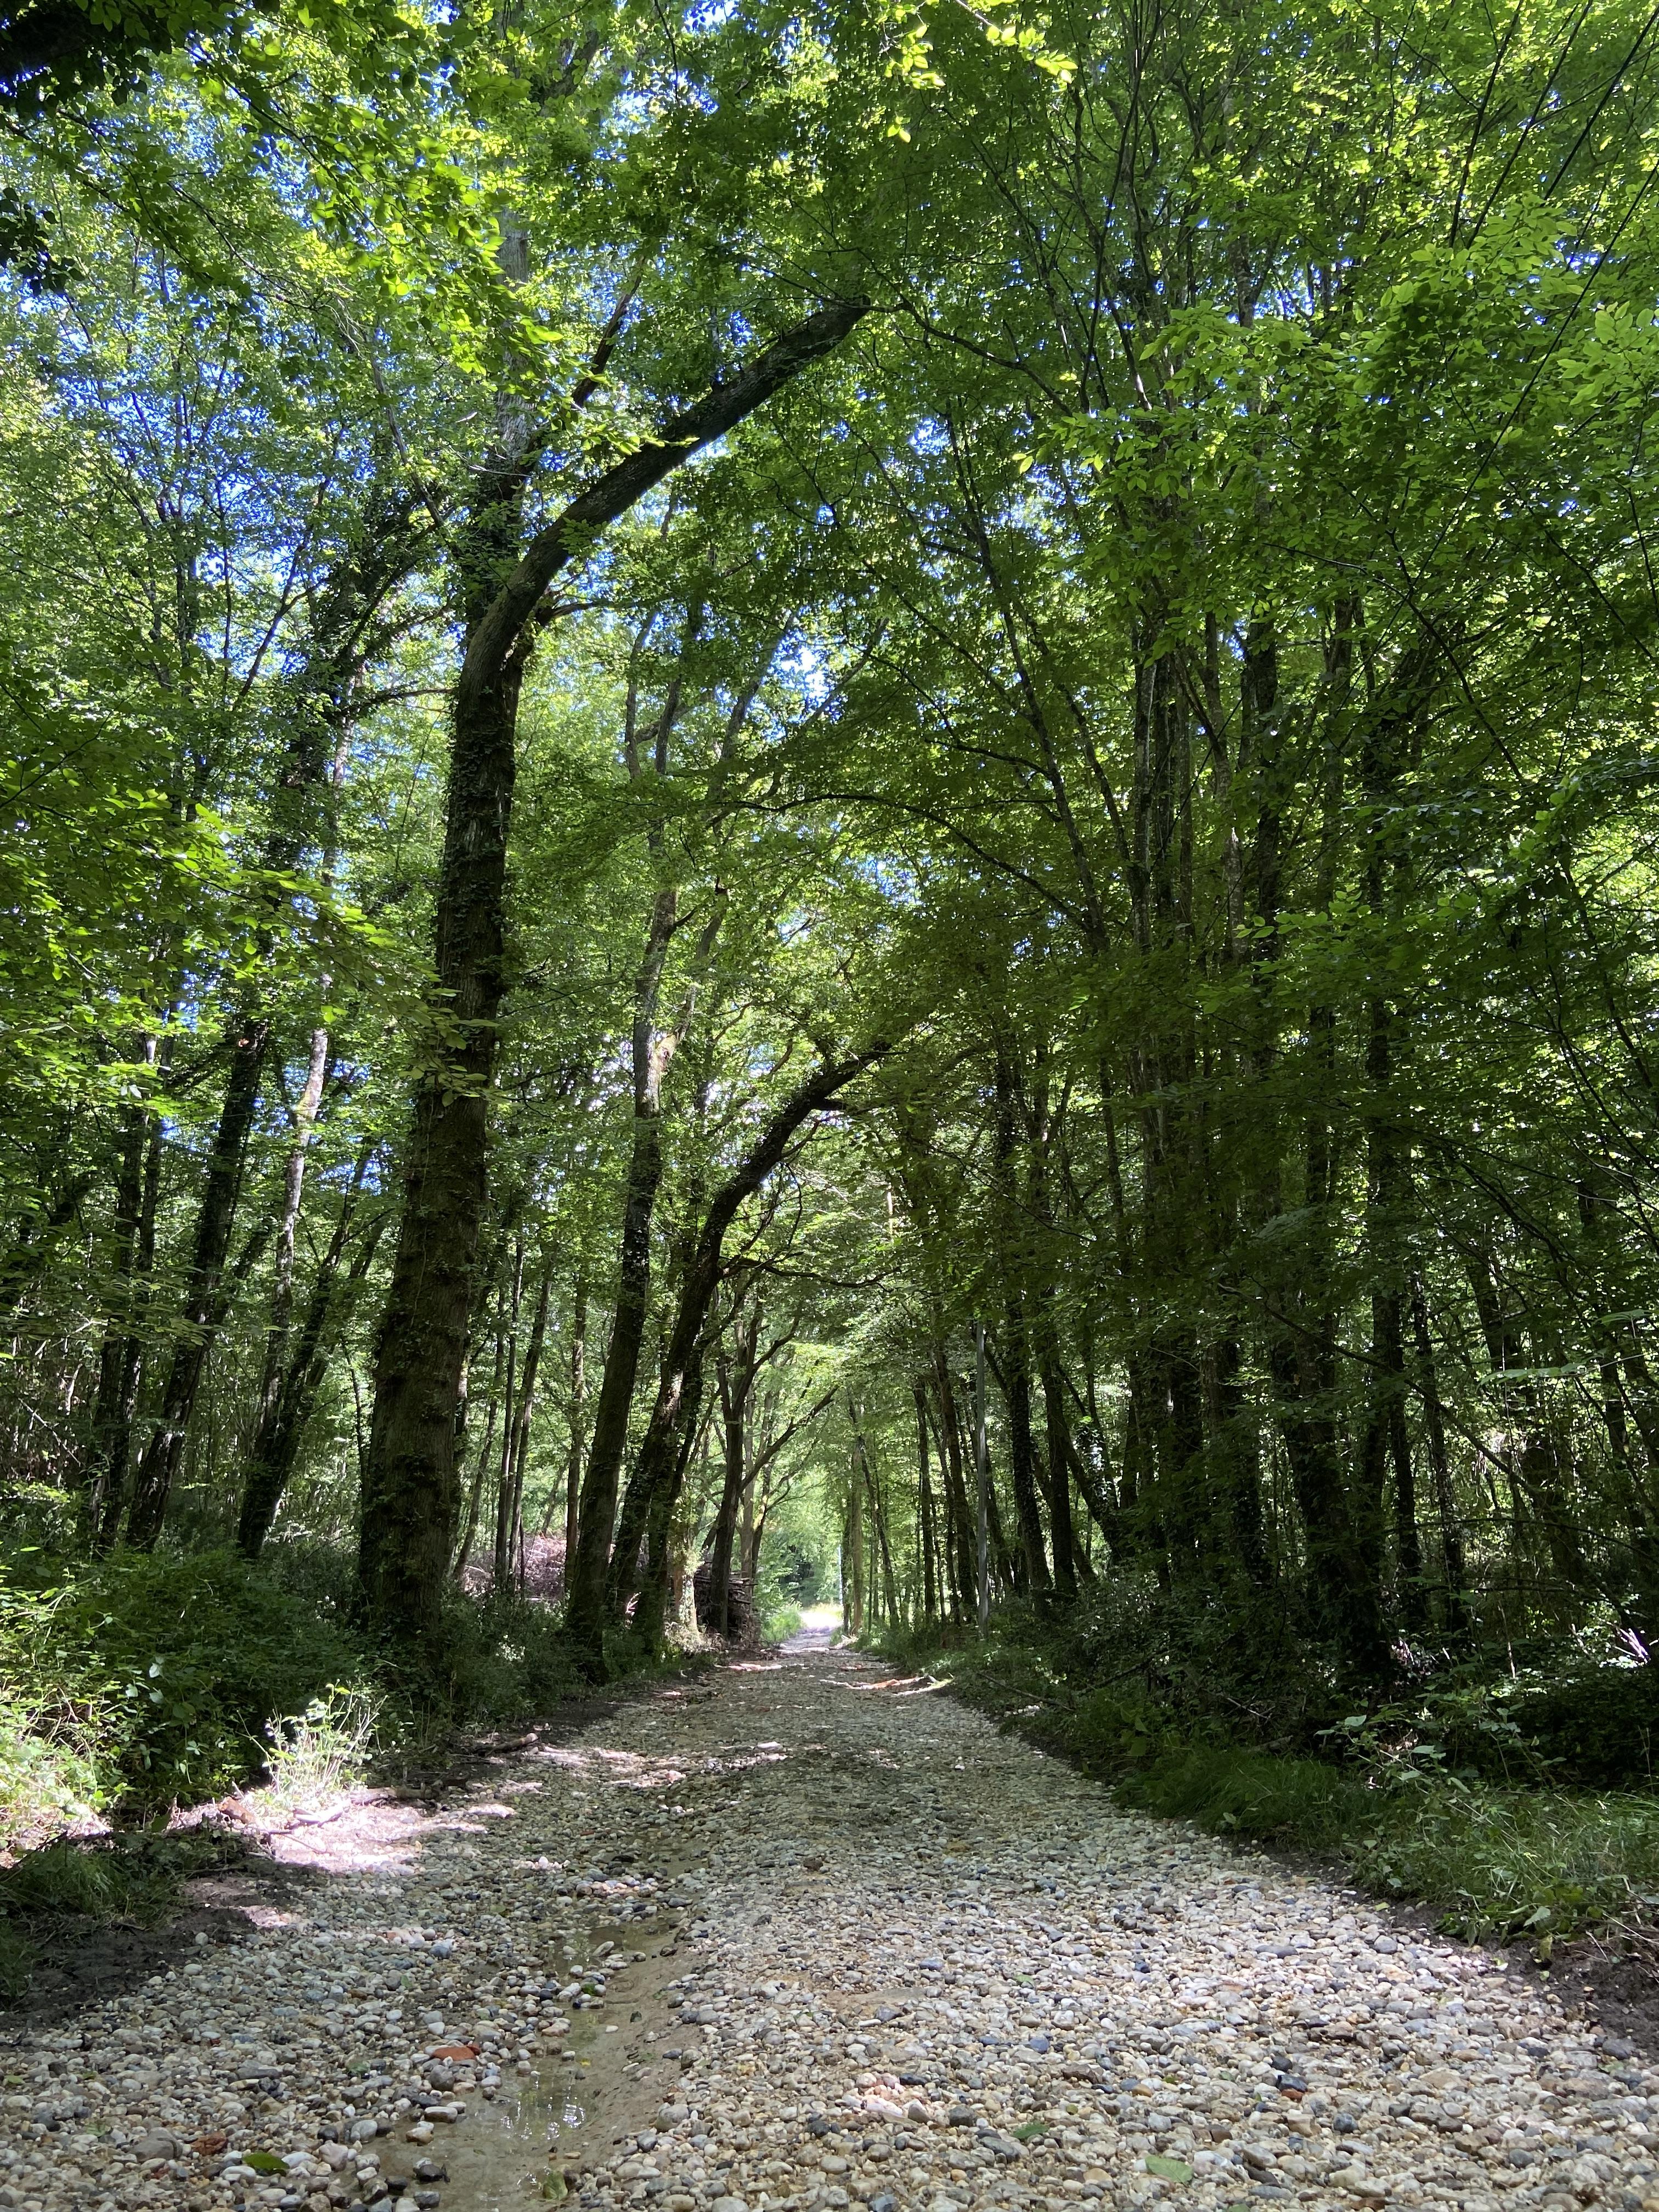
pixel 839 789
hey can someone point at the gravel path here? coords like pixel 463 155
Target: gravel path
pixel 802 1938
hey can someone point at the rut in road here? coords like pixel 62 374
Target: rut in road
pixel 806 1936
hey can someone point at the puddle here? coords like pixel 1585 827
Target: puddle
pixel 511 2154
pixel 502 2155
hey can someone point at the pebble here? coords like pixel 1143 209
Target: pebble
pixel 919 1967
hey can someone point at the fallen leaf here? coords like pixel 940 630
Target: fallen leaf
pixel 1168 2169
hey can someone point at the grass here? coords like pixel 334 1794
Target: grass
pixel 1488 1856
pixel 323 1751
pixel 137 1878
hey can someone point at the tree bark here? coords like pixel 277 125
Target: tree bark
pixel 930 1605
pixel 1016 1357
pixel 482 1463
pixel 407 1527
pixel 509 1506
pixel 108 1498
pixel 735 1376
pixel 282 1428
pixel 573 1474
pixel 313 761
pixel 159 1461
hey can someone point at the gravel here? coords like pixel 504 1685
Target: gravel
pixel 808 1939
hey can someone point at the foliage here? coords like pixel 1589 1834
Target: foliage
pixel 1165 699
pixel 1488 1856
pixel 314 1755
pixel 158 1676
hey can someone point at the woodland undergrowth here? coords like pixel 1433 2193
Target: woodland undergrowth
pixel 140 1689
pixel 1510 1800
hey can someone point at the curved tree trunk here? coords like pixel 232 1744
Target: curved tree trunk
pixel 659 1452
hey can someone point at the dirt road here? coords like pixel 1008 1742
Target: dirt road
pixel 808 1936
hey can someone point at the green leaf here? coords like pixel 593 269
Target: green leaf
pixel 1168 2169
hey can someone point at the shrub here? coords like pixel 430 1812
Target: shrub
pixel 505 1658
pixel 1450 1795
pixel 44 1785
pixel 158 1676
pixel 1596 1725
pixel 318 1752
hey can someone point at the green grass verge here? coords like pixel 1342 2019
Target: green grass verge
pixel 1487 1858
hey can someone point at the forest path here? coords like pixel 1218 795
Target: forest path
pixel 876 1954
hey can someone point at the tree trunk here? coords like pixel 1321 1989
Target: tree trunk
pixel 509 1510
pixel 650 1607
pixel 1016 1359
pixel 572 1475
pixel 498 1550
pixel 1455 1618
pixel 159 1461
pixel 282 1428
pixel 481 1466
pixel 736 1376
pixel 108 1498
pixel 962 1515
pixel 313 761
pixel 851 1554
pixel 930 1605
pixel 108 1404
pixel 1060 1479
pixel 409 1494
pixel 655 1463
pixel 881 1546
pixel 306 1108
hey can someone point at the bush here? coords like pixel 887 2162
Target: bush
pixel 1596 1725
pixel 1450 1797
pixel 137 1682
pixel 44 1786
pixel 505 1658
pixel 154 1678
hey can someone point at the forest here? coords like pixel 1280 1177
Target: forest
pixel 829 799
